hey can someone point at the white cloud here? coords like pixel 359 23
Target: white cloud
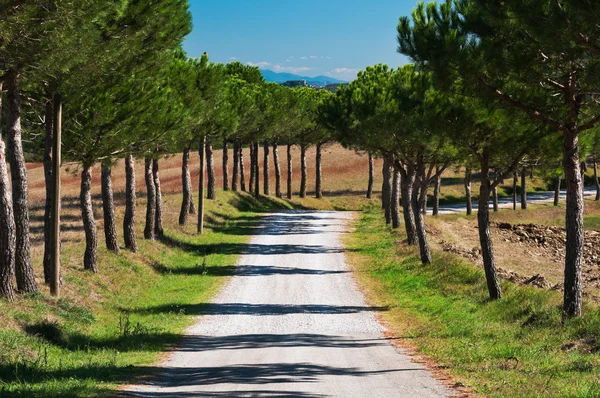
pixel 303 57
pixel 342 71
pixel 233 58
pixel 313 57
pixel 261 65
pixel 327 57
pixel 290 69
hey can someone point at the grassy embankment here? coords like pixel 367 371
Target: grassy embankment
pixel 517 346
pixel 111 327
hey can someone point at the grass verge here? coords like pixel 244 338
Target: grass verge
pixel 517 346
pixel 111 327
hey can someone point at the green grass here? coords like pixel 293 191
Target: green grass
pixel 112 327
pixel 517 346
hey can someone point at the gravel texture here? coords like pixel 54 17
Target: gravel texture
pixel 291 323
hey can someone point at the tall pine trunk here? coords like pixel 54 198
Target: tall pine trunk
pixel 515 181
pixel 289 172
pixel 371 176
pixel 108 208
pixel 419 198
pixel 201 151
pixel 303 171
pixel 596 180
pixel 211 192
pixel 436 192
pixel 225 165
pixel 130 202
pixel 90 259
pixel 186 181
pixel 468 175
pixel 23 268
pixel 523 188
pixel 495 198
pixel 485 239
pixel 277 170
pixel 242 168
pixel 386 189
pixel 319 172
pixel 256 171
pixel 407 186
pixel 158 224
pixel 395 198
pixel 557 190
pixel 252 169
pixel 150 200
pixel 266 187
pixel 574 226
pixel 8 236
pixel 49 130
pixel 236 166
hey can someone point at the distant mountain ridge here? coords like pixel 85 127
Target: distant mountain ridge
pixel 320 81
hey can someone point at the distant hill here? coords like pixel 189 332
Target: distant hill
pixel 320 81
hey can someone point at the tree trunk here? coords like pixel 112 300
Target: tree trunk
pixel 236 166
pixel 266 188
pixel 468 175
pixel 303 171
pixel 289 172
pixel 8 236
pixel 557 191
pixel 90 259
pixel 524 189
pixel 596 180
pixel 495 198
pixel 201 151
pixel 130 199
pixel 108 207
pixel 515 181
pixel 49 129
pixel 256 171
pixel 150 200
pixel 186 181
pixel 407 184
pixel 423 204
pixel 574 226
pixel 211 192
pixel 319 172
pixel 225 165
pixel 485 239
pixel 23 268
pixel 242 168
pixel 277 170
pixel 158 225
pixel 371 176
pixel 420 197
pixel 386 189
pixel 55 202
pixel 395 198
pixel 436 193
pixel 252 169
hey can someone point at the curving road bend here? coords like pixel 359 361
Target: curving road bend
pixel 290 323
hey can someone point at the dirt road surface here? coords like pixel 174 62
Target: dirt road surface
pixel 291 323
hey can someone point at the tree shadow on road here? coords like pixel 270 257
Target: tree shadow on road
pixel 256 309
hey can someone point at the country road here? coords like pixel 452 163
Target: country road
pixel 507 202
pixel 291 323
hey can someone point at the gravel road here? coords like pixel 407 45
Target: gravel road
pixel 291 323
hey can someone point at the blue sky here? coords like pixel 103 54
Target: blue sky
pixel 307 37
